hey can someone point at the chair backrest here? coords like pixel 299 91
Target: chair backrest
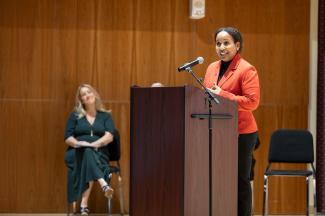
pixel 291 146
pixel 114 148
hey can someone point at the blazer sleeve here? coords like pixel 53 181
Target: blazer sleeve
pixel 250 88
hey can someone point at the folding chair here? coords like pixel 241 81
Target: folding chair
pixel 290 146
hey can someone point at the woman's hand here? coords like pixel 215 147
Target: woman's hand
pixel 215 89
pixel 83 144
pixel 74 143
pixel 104 140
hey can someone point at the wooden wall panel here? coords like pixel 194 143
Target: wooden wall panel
pixel 49 47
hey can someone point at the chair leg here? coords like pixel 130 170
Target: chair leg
pixel 109 206
pixel 68 209
pixel 315 202
pixel 252 187
pixel 307 196
pixel 74 208
pixel 109 200
pixel 121 194
pixel 265 196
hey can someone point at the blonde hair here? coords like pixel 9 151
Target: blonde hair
pixel 79 107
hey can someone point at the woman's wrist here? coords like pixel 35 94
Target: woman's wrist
pixel 77 144
pixel 100 144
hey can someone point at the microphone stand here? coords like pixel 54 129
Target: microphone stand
pixel 210 97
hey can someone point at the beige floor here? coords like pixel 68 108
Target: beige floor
pixel 4 214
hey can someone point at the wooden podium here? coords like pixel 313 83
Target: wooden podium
pixel 169 156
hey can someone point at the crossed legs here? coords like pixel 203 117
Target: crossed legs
pixel 85 195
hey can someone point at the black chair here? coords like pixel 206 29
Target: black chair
pixel 290 146
pixel 113 150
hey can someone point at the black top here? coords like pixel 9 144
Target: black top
pixel 223 68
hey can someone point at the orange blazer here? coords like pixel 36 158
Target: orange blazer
pixel 240 83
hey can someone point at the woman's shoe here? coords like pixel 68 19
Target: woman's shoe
pixel 84 211
pixel 108 191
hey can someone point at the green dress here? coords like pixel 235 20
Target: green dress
pixel 86 164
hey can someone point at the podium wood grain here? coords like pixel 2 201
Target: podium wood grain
pixel 170 154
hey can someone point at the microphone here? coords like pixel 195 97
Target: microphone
pixel 186 66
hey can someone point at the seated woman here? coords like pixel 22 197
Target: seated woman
pixel 88 130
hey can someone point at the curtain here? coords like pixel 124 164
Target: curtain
pixel 320 149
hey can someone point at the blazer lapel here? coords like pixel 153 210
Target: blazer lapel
pixel 231 70
pixel 217 70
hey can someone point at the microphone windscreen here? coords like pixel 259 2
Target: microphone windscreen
pixel 201 59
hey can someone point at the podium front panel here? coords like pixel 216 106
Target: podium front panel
pixel 170 154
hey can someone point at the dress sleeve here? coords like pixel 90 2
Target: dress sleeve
pixel 70 126
pixel 109 124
